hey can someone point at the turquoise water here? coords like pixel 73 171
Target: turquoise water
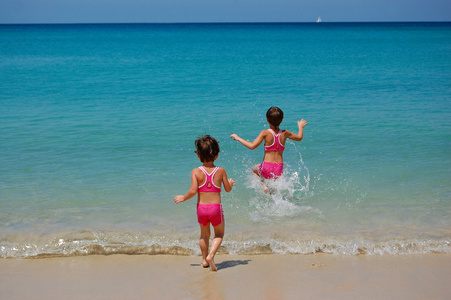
pixel 97 124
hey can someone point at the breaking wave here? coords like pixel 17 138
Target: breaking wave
pixel 82 243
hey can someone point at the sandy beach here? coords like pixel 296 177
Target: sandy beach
pixel 318 276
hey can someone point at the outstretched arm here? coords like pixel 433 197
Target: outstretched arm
pixel 191 192
pixel 251 145
pixel 297 137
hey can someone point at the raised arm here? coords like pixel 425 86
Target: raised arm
pixel 191 192
pixel 297 137
pixel 251 145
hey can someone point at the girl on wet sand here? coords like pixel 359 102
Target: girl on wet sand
pixel 206 181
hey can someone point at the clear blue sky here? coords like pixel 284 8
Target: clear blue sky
pixel 169 11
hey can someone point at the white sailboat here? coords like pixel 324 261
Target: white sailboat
pixel 319 20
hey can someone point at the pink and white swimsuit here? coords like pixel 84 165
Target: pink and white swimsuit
pixel 271 170
pixel 209 213
pixel 276 145
pixel 208 185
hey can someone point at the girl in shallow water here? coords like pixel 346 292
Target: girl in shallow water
pixel 274 138
pixel 206 181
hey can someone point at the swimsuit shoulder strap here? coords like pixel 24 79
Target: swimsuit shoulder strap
pixel 206 173
pixel 203 170
pixel 274 133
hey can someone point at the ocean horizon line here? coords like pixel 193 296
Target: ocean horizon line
pixel 225 23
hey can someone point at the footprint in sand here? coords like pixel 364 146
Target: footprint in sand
pixel 318 266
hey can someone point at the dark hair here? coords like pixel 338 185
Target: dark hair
pixel 207 148
pixel 274 116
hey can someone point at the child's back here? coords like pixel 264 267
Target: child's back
pixel 274 138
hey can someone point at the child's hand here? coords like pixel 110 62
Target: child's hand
pixel 179 198
pixel 232 182
pixel 234 136
pixel 302 123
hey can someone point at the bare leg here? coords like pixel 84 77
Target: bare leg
pixel 256 171
pixel 203 243
pixel 219 234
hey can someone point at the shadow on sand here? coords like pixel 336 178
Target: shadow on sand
pixel 227 264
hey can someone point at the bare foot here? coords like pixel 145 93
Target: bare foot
pixel 212 264
pixel 205 264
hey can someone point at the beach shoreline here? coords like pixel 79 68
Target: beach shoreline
pixel 319 276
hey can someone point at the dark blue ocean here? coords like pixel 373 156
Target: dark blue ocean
pixel 98 122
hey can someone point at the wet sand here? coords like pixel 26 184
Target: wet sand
pixel 318 276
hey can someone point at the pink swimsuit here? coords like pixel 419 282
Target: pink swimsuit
pixel 209 185
pixel 276 145
pixel 268 169
pixel 207 213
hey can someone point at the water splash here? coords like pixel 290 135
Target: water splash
pixel 285 197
